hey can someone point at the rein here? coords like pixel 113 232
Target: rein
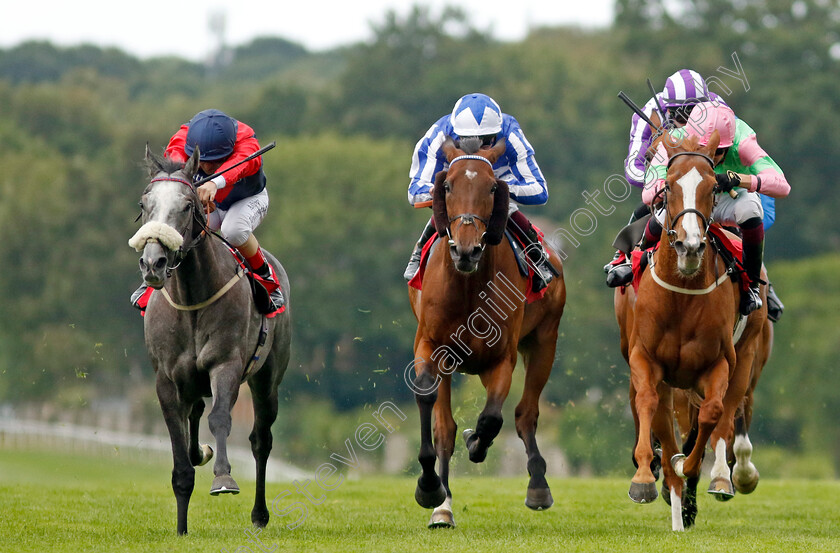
pixel 181 254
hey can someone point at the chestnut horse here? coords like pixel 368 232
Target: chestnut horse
pixel 472 317
pixel 677 333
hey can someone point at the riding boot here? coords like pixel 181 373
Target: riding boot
pixel 138 295
pixel 775 307
pixel 414 260
pixel 641 210
pixel 544 271
pixel 752 231
pixel 621 274
pixel 267 273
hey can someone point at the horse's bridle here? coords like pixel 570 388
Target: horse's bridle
pixel 182 251
pixel 469 218
pixel 669 228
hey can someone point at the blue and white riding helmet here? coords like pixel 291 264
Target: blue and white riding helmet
pixel 214 132
pixel 476 115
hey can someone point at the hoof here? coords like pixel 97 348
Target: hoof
pixel 224 484
pixel 539 499
pixel 721 489
pixel 442 518
pixel 677 462
pixel 745 483
pixel 643 493
pixel 477 455
pixel 429 499
pixel 206 454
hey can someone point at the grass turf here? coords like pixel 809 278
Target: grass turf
pixel 53 502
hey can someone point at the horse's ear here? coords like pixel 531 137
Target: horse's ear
pixel 449 149
pixel 191 167
pixel 498 150
pixel 153 164
pixel 499 216
pixel 441 217
pixel 714 142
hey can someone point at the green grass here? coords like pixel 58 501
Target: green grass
pixel 80 503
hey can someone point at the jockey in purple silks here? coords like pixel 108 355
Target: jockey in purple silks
pixel 683 90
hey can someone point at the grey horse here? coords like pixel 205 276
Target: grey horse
pixel 204 335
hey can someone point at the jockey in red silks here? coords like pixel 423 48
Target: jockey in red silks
pixel 238 198
pixel 478 115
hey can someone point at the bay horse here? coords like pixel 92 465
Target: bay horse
pixel 204 335
pixel 472 317
pixel 677 333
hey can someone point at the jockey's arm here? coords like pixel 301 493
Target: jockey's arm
pixel 761 174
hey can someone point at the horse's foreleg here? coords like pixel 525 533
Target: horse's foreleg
pixel 224 385
pixel 663 429
pixel 264 395
pixel 710 413
pixel 445 429
pixel 497 383
pixel 644 378
pixel 183 474
pixel 430 491
pixel 538 361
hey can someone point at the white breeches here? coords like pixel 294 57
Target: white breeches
pixel 239 222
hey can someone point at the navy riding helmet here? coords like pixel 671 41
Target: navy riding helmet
pixel 214 132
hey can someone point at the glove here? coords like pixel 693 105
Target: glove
pixel 727 181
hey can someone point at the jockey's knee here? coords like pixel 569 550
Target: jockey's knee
pixel 235 234
pixel 748 208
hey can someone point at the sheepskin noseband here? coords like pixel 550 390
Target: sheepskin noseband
pixel 155 231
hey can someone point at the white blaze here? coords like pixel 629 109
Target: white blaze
pixel 689 183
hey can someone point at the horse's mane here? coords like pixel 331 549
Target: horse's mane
pixel 470 144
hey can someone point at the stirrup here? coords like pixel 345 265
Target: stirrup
pixel 775 307
pixel 751 301
pixel 277 298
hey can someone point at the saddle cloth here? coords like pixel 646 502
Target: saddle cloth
pixel 519 253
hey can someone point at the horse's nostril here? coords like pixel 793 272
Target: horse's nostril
pixel 476 251
pixel 160 264
pixel 701 248
pixel 142 264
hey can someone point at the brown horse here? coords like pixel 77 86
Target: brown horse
pixel 472 317
pixel 677 333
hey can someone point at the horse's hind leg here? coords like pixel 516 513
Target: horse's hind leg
pixel 497 383
pixel 445 429
pixel 200 454
pixel 538 361
pixel 224 384
pixel 264 394
pixel 183 473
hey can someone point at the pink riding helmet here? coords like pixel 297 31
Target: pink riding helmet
pixel 709 116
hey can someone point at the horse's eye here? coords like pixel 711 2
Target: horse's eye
pixel 493 189
pixel 446 187
pixel 143 207
pixel 187 208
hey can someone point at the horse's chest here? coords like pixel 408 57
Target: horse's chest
pixel 470 349
pixel 685 358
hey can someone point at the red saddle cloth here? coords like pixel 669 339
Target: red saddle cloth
pixel 730 243
pixel 268 285
pixel 530 295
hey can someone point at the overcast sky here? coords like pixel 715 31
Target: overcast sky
pixel 148 28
